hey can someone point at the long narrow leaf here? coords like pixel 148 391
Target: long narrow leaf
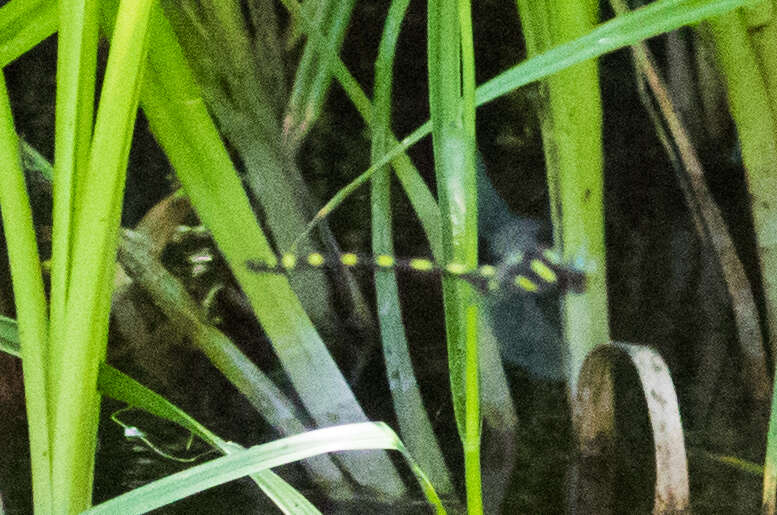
pixel 450 62
pixel 415 426
pixel 24 24
pixel 30 300
pixel 368 435
pixel 654 19
pixel 97 204
pixel 181 123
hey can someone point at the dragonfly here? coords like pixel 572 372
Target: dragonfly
pixel 536 271
pixel 525 264
pixel 520 307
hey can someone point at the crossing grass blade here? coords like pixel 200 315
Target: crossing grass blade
pixel 450 62
pixel 414 423
pixel 183 127
pixel 651 20
pixel 24 24
pixel 29 298
pixel 368 435
pixel 119 386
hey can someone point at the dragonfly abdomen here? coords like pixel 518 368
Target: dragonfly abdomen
pixel 532 272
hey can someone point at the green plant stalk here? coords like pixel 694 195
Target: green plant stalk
pixel 97 203
pixel 415 426
pixel 231 89
pixel 181 124
pixel 40 21
pixel 452 109
pixel 76 73
pixel 469 250
pixel 117 385
pixel 571 121
pixel 762 31
pixel 749 104
pixel 189 319
pixel 658 17
pixel 30 300
pixel 312 83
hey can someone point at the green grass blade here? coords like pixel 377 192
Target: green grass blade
pixel 184 129
pixel 654 19
pixel 314 74
pixel 413 419
pixel 571 121
pixel 76 75
pixel 189 319
pixel 450 62
pixel 30 300
pixel 368 435
pixel 24 24
pixel 97 207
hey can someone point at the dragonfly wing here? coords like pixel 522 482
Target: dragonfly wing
pixel 529 333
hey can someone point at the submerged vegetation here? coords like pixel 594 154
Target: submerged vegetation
pixel 496 367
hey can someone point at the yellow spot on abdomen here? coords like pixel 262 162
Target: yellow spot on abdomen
pixel 455 268
pixel 315 259
pixel 288 261
pixel 349 259
pixel 384 261
pixel 524 283
pixel 487 271
pixel 542 270
pixel 422 265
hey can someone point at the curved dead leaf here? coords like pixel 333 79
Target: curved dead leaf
pixel 594 419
